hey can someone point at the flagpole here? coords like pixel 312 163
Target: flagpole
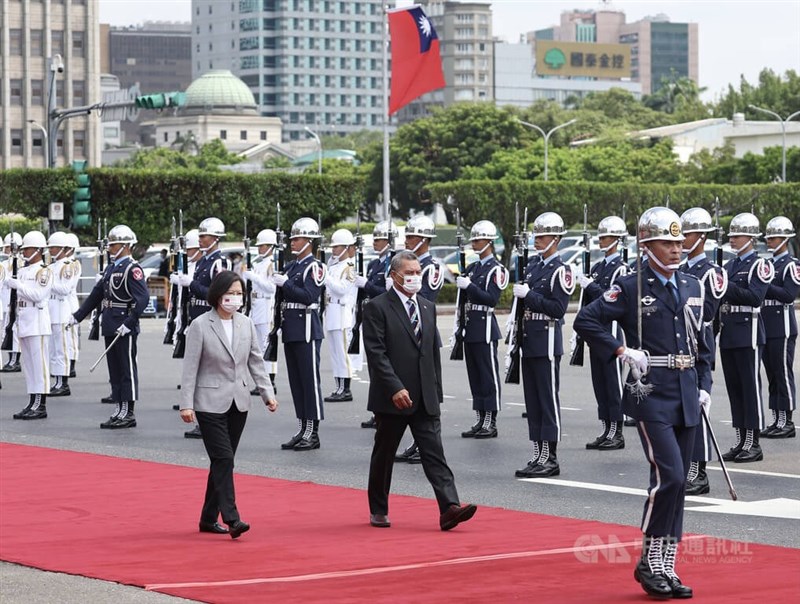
pixel 386 196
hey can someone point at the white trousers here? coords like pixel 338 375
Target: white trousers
pixel 34 357
pixel 338 340
pixel 73 342
pixel 59 353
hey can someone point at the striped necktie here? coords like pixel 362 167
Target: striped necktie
pixel 413 316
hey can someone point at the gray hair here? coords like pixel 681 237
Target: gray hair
pixel 400 257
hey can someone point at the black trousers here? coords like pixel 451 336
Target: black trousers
pixel 427 432
pixel 741 367
pixel 221 433
pixel 484 375
pixel 778 361
pixel 123 371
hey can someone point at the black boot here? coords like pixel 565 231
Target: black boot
pixel 370 423
pixel 548 462
pixel 13 363
pixel 765 432
pixel 679 590
pixel 61 387
pixel 272 379
pixel 731 454
pixel 650 569
pixel 39 408
pixel 346 395
pixel 310 439
pixel 489 426
pixel 532 462
pixel 26 410
pixel 784 427
pixel 294 439
pixel 333 397
pixel 751 450
pixel 107 424
pixel 600 438
pixel 479 415
pixel 697 479
pixel 614 439
pixel 72 368
pixel 126 418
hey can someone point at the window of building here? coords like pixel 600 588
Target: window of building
pixel 209 9
pixel 198 47
pixel 210 46
pixel 166 137
pixel 16 92
pixel 78 141
pixel 57 42
pixel 269 99
pixel 210 28
pixel 197 29
pixel 77 44
pixel 60 143
pixel 223 134
pixel 269 62
pixel 249 62
pixel 252 80
pixel 110 132
pixel 16 40
pixel 270 43
pixel 16 141
pixel 248 24
pixel 37 43
pixel 197 11
pixel 37 141
pixel 263 135
pixel 243 135
pixel 60 93
pixel 78 92
pixel 270 5
pixel 248 43
pixel 247 6
pixel 37 92
pixel 211 64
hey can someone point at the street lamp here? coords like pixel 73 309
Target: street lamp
pixel 56 66
pixel 45 148
pixel 546 136
pixel 319 147
pixel 783 129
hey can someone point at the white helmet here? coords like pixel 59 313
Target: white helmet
pixel 305 227
pixel 660 223
pixel 122 234
pixel 483 229
pixel 192 239
pixel 780 226
pixel 58 239
pixel 548 223
pixel 421 226
pixel 381 230
pixel 612 226
pixel 696 220
pixel 212 226
pixel 342 237
pixel 17 238
pixel 73 241
pixel 34 239
pixel 267 237
pixel 744 224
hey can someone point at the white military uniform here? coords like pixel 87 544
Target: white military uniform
pixel 262 305
pixel 341 293
pixel 34 283
pixel 73 331
pixel 64 283
pixel 5 299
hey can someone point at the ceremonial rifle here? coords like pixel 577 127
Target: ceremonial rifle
pixel 324 261
pixel 102 252
pixel 172 311
pixel 576 358
pixel 624 240
pixel 457 351
pixel 8 338
pixel 355 342
pixel 715 326
pixel 517 332
pixel 248 259
pixel 180 337
pixel 271 352
pixel 391 242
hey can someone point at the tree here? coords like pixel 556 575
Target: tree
pixel 680 96
pixel 209 157
pixel 780 94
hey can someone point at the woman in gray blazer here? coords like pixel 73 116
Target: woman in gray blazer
pixel 221 349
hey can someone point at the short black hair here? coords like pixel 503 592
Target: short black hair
pixel 221 284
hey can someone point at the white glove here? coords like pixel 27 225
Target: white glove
pixel 72 321
pixel 573 342
pixel 360 281
pixel 175 279
pixel 521 290
pixel 185 280
pixel 705 401
pixel 123 330
pixel 636 359
pixel 463 282
pixel 98 277
pixel 577 271
pixel 249 276
pixel 584 281
pixel 279 279
pixel 12 282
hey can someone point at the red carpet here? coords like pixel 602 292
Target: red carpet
pixel 135 522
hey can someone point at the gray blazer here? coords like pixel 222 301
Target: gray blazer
pixel 213 374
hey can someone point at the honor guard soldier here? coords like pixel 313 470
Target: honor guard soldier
pixel 12 366
pixel 33 283
pixel 780 324
pixel 742 337
pixel 341 291
pixel 73 333
pixel 482 283
pixel 123 295
pixel 262 305
pixel 545 293
pixel 696 224
pixel 420 230
pixel 302 332
pixel 606 372
pixel 65 282
pixel 669 380
pixel 375 282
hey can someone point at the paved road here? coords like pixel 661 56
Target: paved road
pixel 484 470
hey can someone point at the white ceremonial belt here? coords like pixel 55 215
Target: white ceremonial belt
pixel 300 306
pixel 536 316
pixel 730 308
pixel 109 304
pixel 478 307
pixel 673 361
pixel 198 302
pixel 57 298
pixel 775 303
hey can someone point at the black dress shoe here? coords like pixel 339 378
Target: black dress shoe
pixel 288 445
pixel 486 433
pixel 455 515
pixel 596 442
pixel 472 431
pixel 679 590
pixel 654 584
pixel 379 521
pixel 23 413
pixel 345 396
pixel 629 423
pixel 107 400
pixel 698 486
pixel 407 454
pixel 765 432
pixel 193 433
pixel 39 413
pixel 62 391
pixel 333 397
pixel 788 431
pixel 237 528
pixel 129 421
pixel 752 454
pixel 731 454
pixel 213 527
pixel 107 424
pixel 11 368
pixel 526 471
pixel 370 423
pixel 612 444
pixel 543 470
pixel 307 444
pixel 414 458
pixel 524 414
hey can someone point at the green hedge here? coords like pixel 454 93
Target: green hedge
pixel 146 200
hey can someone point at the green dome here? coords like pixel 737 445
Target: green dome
pixel 219 89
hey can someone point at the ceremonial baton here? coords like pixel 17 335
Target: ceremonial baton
pixel 731 490
pixel 105 352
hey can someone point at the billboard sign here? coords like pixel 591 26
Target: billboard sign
pixel 608 61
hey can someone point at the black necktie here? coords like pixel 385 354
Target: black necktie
pixel 671 289
pixel 413 316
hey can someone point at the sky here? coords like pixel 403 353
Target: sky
pixel 737 37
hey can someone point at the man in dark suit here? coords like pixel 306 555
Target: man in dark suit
pixel 405 370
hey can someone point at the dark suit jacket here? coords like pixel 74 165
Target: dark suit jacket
pixel 395 360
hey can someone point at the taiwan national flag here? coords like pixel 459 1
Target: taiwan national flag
pixel 416 64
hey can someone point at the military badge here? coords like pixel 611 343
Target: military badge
pixel 612 293
pixel 137 273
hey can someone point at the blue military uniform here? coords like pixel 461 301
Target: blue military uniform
pixel 741 341
pixel 376 276
pixel 204 272
pixel 488 278
pixel 780 326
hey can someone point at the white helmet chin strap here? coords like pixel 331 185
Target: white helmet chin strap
pixel 303 249
pixel 609 246
pixel 483 249
pixel 29 258
pixel 416 247
pixel 549 245
pixel 696 243
pixel 266 254
pixel 779 246
pixel 119 251
pixel 205 249
pixel 58 255
pixel 659 264
pixel 191 257
pixel 740 250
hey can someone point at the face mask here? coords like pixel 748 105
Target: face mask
pixel 231 303
pixel 412 283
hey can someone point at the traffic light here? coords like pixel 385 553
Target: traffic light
pixel 161 100
pixel 82 197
